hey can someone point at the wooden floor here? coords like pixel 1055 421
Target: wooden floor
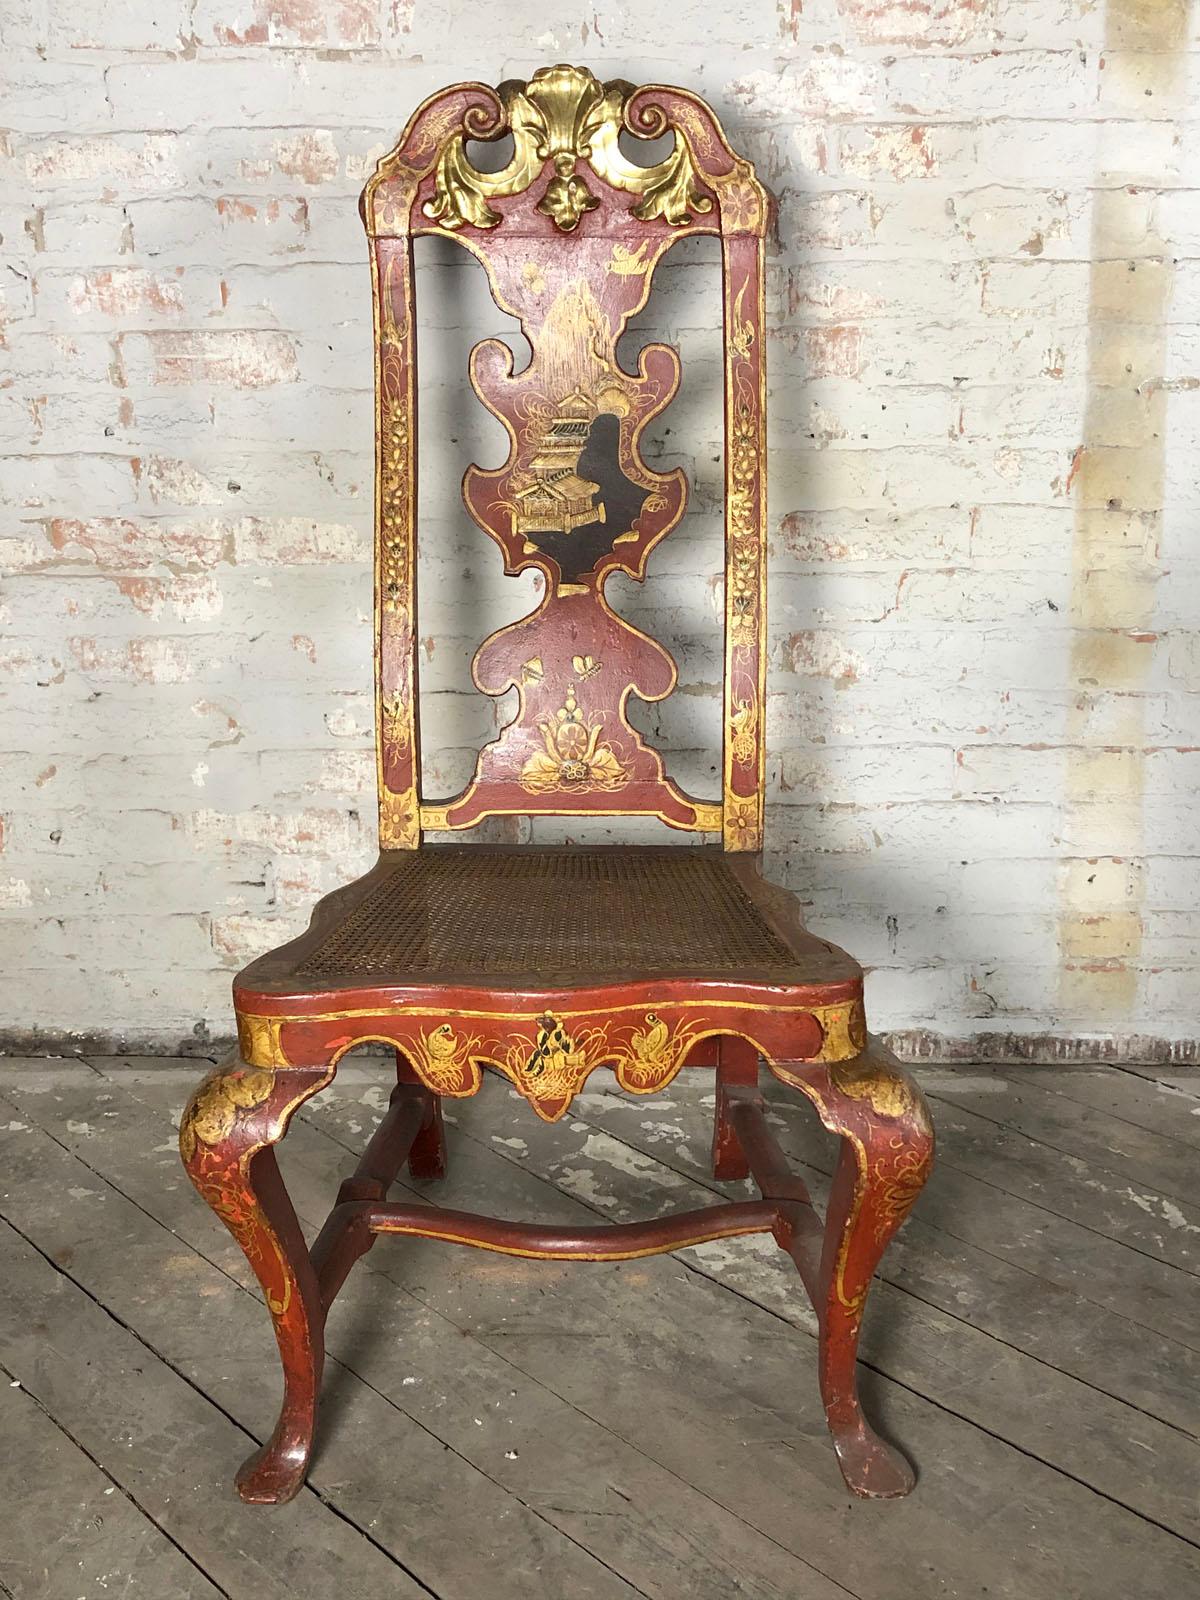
pixel 495 1428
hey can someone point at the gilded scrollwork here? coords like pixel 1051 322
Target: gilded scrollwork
pixel 901 1183
pixel 744 529
pixel 577 500
pixel 395 464
pixel 564 115
pixel 213 1109
pixel 399 809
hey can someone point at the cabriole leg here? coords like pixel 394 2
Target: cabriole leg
pixel 226 1137
pixel 885 1157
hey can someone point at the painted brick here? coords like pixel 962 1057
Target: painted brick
pixel 984 304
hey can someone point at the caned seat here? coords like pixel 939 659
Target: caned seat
pixel 546 965
pixel 559 918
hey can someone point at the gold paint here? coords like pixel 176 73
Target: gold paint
pixel 574 757
pixel 889 1094
pixel 658 1054
pixel 395 726
pixel 780 1003
pixel 744 727
pixel 743 529
pixel 564 115
pixel 399 819
pixel 627 263
pixel 578 379
pixel 596 348
pixel 599 1252
pixel 532 671
pixel 844 1026
pixel 210 1118
pixel 584 667
pixel 533 278
pixel 745 544
pixel 894 1179
pixel 447 1060
pixel 399 815
pixel 443 1060
pixel 563 111
pixel 259 1042
pixel 742 824
pixel 213 1109
pixel 897 1192
pixel 559 1062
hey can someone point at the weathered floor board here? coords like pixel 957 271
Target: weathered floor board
pixel 97 1539
pixel 652 1428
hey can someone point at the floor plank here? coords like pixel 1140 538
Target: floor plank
pixel 1012 1289
pixel 1163 1164
pixel 449 1279
pixel 1159 1108
pixel 97 1541
pixel 650 1428
pixel 973 1313
pixel 698 1543
pixel 210 1329
pixel 556 1451
pixel 162 1441
pixel 1067 1185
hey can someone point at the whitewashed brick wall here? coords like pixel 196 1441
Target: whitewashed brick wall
pixel 985 389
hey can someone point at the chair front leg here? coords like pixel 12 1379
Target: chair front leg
pixel 885 1157
pixel 226 1139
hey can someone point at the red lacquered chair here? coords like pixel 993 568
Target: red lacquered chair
pixel 546 964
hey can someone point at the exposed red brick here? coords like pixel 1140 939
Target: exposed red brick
pixel 122 544
pixel 125 291
pixel 925 22
pixel 311 157
pixel 243 360
pixel 834 352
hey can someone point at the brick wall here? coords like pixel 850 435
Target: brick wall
pixel 985 386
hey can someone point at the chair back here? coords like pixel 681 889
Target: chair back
pixel 569 233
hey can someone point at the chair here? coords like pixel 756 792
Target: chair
pixel 545 964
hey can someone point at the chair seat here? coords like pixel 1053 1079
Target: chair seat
pixel 550 918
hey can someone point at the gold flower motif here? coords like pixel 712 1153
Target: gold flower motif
pixel 574 756
pixel 742 827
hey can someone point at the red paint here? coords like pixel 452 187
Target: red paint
pixel 576 501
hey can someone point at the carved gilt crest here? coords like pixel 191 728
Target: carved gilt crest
pixel 564 115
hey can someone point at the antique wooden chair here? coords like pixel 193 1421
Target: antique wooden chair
pixel 548 963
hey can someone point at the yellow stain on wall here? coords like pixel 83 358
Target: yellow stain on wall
pixel 1117 484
